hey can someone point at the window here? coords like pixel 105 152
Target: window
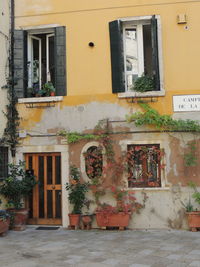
pixel 3 162
pixel 134 53
pixel 144 165
pixel 40 62
pixel 41 58
pixel 94 162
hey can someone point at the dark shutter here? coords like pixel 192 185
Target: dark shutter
pixel 117 56
pixel 60 60
pixel 155 60
pixel 20 63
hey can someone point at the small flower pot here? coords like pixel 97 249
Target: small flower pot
pixel 120 220
pixel 193 220
pixel 74 221
pixel 52 94
pixel 86 221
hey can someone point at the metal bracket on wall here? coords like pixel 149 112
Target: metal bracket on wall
pixel 40 105
pixel 142 99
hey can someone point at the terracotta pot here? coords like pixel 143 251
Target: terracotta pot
pixel 52 94
pixel 74 220
pixel 193 220
pixel 86 222
pixel 120 219
pixel 18 219
pixel 4 226
pixel 86 219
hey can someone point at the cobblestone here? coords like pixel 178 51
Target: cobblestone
pixel 97 248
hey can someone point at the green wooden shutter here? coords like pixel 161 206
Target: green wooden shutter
pixel 60 60
pixel 155 60
pixel 117 56
pixel 20 63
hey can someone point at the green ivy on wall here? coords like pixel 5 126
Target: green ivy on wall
pixel 162 122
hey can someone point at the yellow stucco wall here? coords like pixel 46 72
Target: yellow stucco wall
pixel 89 69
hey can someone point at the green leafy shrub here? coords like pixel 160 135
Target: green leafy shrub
pixel 77 190
pixel 17 185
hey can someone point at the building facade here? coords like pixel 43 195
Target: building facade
pixel 95 54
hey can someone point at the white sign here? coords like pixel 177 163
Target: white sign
pixel 183 103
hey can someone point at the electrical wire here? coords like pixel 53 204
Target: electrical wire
pixel 108 8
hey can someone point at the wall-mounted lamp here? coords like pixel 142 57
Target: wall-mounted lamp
pixel 181 19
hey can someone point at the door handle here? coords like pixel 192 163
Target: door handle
pixel 53 187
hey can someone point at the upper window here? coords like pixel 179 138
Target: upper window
pixel 41 65
pixel 144 165
pixel 40 62
pixel 135 55
pixel 3 162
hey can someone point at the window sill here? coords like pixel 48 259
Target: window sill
pixel 47 99
pixel 138 94
pixel 148 189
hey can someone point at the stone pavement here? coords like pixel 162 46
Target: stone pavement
pixel 98 248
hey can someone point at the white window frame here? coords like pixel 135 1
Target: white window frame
pixel 30 59
pixel 140 51
pixel 47 56
pixel 137 20
pixel 31 35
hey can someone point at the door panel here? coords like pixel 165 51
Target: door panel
pixel 45 202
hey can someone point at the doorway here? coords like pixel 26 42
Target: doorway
pixel 45 205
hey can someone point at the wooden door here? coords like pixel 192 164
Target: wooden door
pixel 45 206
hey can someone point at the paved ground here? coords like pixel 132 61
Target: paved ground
pixel 57 248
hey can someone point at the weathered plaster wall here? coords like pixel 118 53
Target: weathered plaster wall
pixel 89 98
pixel 4 45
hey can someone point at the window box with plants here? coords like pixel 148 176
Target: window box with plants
pixel 47 90
pixel 120 214
pixel 17 186
pixel 77 196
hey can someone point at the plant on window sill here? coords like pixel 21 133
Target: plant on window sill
pixel 47 90
pixel 144 84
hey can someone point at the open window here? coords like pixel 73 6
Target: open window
pixel 40 62
pixel 135 55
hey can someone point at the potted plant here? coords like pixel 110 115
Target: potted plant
pixel 87 216
pixel 77 196
pixel 143 84
pixel 14 188
pixel 47 89
pixel 193 214
pixel 118 215
pixel 4 221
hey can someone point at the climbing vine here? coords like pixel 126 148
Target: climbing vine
pixel 74 137
pixel 162 122
pixel 167 123
pixel 11 136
